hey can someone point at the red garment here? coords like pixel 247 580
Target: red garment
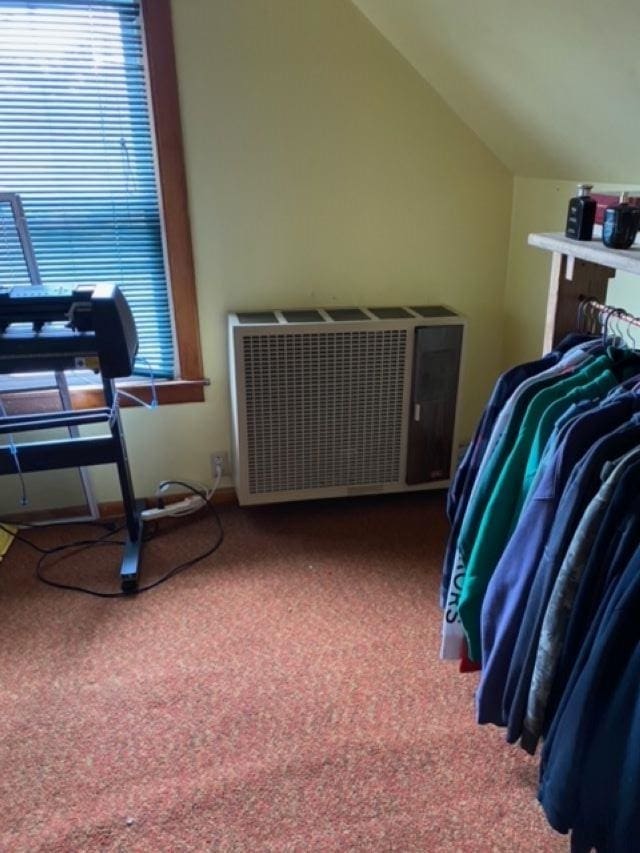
pixel 466 664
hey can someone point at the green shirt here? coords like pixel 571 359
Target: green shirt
pixel 490 472
pixel 594 390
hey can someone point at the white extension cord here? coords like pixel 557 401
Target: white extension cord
pixel 184 507
pixel 187 506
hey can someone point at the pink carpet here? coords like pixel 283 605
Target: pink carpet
pixel 286 695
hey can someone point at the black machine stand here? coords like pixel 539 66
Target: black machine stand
pixel 75 452
pixel 66 329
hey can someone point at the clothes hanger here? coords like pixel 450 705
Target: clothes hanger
pixel 619 316
pixel 584 318
pixel 612 315
pixel 580 315
pixel 604 323
pixel 632 340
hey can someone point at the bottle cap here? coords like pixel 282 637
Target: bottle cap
pixel 584 189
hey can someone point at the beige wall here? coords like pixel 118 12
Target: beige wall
pixel 550 86
pixel 322 169
pixel 541 205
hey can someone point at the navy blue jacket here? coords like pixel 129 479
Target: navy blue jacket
pixel 591 773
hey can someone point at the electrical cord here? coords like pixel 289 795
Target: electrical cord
pixel 16 461
pixel 104 540
pixel 184 507
pixel 112 529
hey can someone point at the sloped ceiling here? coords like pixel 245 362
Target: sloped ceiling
pixel 551 86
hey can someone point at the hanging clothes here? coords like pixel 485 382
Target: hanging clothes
pixel 582 486
pixel 507 494
pixel 591 774
pixel 542 580
pixel 617 537
pixel 556 618
pixel 509 590
pixel 481 468
pixel 467 471
pixel 503 485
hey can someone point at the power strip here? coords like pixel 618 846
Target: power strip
pixel 183 507
pixel 187 505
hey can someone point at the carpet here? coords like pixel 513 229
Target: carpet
pixel 284 695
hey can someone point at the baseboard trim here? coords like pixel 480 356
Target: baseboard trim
pixel 113 509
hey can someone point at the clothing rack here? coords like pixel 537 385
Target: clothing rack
pixel 542 567
pixel 603 314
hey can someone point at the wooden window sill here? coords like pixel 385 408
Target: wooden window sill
pixel 91 397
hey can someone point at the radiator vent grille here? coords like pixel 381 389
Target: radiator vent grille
pixel 323 409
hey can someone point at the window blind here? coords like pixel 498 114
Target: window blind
pixel 76 144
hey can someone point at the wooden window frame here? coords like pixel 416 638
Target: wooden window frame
pixel 162 79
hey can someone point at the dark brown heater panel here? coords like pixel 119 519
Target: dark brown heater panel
pixel 436 366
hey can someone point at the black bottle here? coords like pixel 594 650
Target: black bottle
pixel 620 224
pixel 581 214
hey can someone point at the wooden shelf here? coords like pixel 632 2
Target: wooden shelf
pixel 579 270
pixel 593 251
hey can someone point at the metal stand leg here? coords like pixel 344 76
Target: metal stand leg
pixel 74 432
pixel 129 570
pixel 130 566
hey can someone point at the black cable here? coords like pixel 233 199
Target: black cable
pixel 83 544
pixel 112 528
pixel 44 525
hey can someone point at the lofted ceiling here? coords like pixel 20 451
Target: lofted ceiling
pixel 552 87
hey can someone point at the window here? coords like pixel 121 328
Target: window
pixel 76 142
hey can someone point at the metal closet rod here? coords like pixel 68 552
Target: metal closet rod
pixel 603 312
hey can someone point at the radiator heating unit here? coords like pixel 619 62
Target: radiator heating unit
pixel 343 401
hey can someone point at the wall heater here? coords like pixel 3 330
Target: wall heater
pixel 343 401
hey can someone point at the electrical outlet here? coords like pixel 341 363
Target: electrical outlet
pixel 220 456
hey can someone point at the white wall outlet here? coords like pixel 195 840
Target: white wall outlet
pixel 220 457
